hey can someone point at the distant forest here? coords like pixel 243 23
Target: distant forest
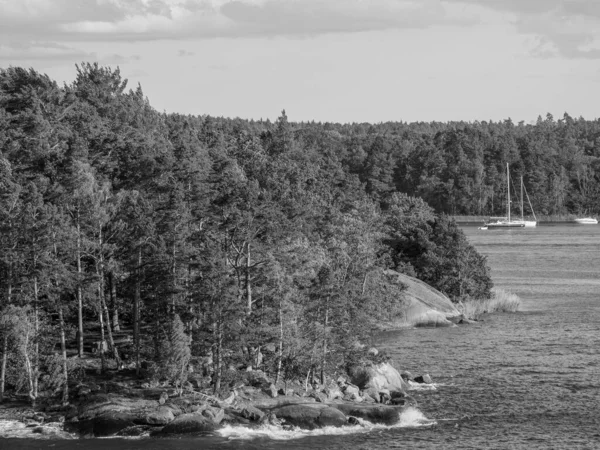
pixel 243 243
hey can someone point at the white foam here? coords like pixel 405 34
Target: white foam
pixel 410 417
pixel 16 429
pixel 414 386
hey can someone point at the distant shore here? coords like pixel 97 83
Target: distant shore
pixel 541 219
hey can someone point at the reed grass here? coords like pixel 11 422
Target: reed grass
pixel 501 301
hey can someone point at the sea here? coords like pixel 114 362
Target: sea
pixel 524 380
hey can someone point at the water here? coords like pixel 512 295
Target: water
pixel 529 380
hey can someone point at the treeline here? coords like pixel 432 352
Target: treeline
pixel 238 243
pixel 459 168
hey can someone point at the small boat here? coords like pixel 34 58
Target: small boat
pixel 587 221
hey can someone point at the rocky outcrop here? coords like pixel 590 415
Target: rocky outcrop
pixel 388 415
pixel 424 305
pixel 187 423
pixel 311 415
pixel 376 377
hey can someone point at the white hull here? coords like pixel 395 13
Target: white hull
pixel 530 223
pixel 587 221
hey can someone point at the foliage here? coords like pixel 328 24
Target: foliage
pixel 242 243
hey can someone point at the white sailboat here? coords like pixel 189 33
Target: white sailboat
pixel 528 223
pixel 587 221
pixel 507 222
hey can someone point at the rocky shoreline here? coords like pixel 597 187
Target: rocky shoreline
pixel 377 394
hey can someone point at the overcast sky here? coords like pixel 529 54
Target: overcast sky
pixel 325 60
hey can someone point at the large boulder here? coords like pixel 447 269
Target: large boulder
pixel 387 415
pixel 162 416
pixel 375 378
pixel 187 423
pixel 424 305
pixel 311 416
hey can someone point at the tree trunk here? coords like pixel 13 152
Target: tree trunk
pixel 29 369
pixel 280 350
pixel 3 367
pixel 247 282
pixel 36 356
pixel 63 349
pixel 102 340
pixel 324 356
pixel 113 302
pixel 136 312
pixel 79 293
pixel 103 306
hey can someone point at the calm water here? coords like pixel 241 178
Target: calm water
pixel 529 380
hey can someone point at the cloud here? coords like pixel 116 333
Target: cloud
pixel 45 51
pixel 566 28
pixel 131 20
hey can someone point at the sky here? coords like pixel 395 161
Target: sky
pixel 325 60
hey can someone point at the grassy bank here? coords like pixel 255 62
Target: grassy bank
pixel 501 301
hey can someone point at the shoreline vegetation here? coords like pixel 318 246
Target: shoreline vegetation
pixel 216 262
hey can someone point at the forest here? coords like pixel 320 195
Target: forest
pixel 160 240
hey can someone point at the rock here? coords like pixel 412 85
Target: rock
pixel 101 426
pixel 423 379
pixel 388 415
pixel 311 416
pixel 268 402
pixel 257 378
pixel 353 421
pixel 373 352
pixel 162 416
pixel 163 398
pixel 288 391
pixel 333 392
pixel 367 398
pixel 404 401
pixel 379 376
pixel 319 397
pixel 252 413
pixel 272 390
pixel 406 375
pixel 216 415
pixel 351 390
pixel 372 393
pixel 187 423
pixel 134 431
pixel 426 306
pixel 102 404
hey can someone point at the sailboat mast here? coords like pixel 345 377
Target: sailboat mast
pixel 507 193
pixel 522 197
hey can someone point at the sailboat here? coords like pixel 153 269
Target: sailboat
pixel 528 223
pixel 507 222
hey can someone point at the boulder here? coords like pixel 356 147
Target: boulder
pixel 374 413
pixel 425 305
pixel 333 392
pixel 424 379
pixel 102 404
pixel 101 426
pixel 351 390
pixel 161 416
pixel 378 377
pixel 311 416
pixel 214 414
pixel 319 397
pixel 252 413
pixel 187 423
